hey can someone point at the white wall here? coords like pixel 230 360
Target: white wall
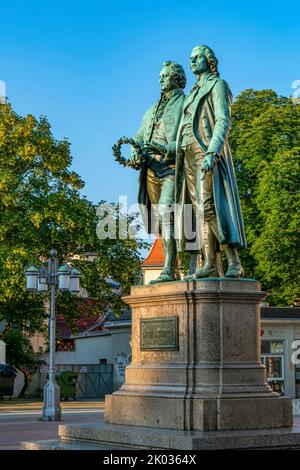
pixel 38 341
pixel 89 350
pixel 18 383
pixel 2 352
pixel 115 347
pixel 150 274
pixel 121 354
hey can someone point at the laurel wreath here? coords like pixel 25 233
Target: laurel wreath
pixel 118 155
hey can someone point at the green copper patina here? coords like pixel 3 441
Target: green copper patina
pixel 205 175
pixel 157 138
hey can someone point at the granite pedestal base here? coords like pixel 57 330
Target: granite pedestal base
pixel 137 437
pixel 117 437
pixel 196 360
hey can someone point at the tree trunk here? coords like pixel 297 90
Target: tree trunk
pixel 26 381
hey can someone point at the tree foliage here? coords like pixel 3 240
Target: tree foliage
pixel 41 207
pixel 265 142
pixel 19 349
pixel 20 354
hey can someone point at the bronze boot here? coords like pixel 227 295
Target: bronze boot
pixel 235 268
pixel 210 268
pixel 168 272
pixel 190 276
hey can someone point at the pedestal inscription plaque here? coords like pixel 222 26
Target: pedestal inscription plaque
pixel 159 334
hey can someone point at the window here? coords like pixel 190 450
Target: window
pixel 277 347
pixel 102 361
pixel 272 346
pixel 65 345
pixel 272 356
pixel 274 366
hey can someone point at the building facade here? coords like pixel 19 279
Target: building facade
pixel 100 345
pixel 280 342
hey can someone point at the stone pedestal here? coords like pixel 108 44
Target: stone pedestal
pixel 196 360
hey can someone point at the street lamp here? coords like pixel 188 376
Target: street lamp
pixel 38 279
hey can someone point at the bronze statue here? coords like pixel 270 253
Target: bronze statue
pixel 154 152
pixel 205 175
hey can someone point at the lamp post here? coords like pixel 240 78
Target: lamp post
pixel 38 279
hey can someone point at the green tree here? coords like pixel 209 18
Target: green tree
pixel 265 141
pixel 21 355
pixel 112 269
pixel 41 207
pixel 277 249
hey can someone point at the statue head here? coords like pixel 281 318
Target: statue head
pixel 172 76
pixel 203 60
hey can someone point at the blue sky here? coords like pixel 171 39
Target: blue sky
pixel 92 67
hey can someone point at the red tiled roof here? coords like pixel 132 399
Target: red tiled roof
pixel 86 321
pixel 63 331
pixel 156 255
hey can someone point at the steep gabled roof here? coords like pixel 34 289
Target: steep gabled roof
pixel 86 323
pixel 156 256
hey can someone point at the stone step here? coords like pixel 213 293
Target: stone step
pixel 112 437
pixel 138 437
pixel 56 444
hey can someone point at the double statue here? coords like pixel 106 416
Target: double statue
pixel 187 186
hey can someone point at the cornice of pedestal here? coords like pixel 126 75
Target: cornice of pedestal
pixel 210 291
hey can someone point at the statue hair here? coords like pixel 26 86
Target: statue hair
pixel 178 73
pixel 210 57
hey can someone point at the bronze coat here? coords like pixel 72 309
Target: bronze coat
pixel 211 114
pixel 171 119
